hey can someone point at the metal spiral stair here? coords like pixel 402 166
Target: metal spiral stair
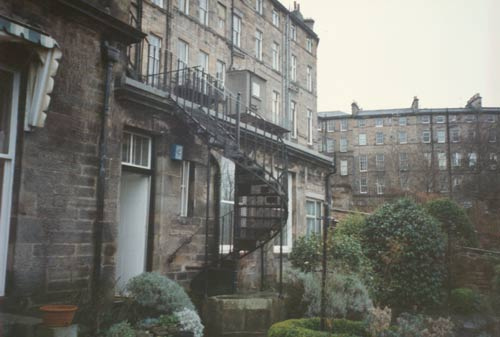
pixel 258 151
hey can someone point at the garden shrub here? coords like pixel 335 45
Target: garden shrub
pixel 464 301
pixel 453 220
pixel 346 296
pixel 378 321
pixel 306 253
pixel 351 226
pixel 406 248
pixel 155 291
pixel 295 305
pixel 189 321
pixel 421 326
pixel 122 329
pixel 309 327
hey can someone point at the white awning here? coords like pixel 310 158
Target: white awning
pixel 41 71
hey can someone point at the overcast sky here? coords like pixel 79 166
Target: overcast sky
pixel 381 53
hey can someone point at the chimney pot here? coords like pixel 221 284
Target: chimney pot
pixel 475 102
pixel 355 108
pixel 414 104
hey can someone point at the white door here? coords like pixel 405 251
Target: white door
pixel 9 93
pixel 132 229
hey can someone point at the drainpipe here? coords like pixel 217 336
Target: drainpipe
pixel 111 56
pixel 232 37
pixel 326 224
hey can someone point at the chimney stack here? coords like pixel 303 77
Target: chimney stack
pixel 355 108
pixel 309 22
pixel 475 102
pixel 414 104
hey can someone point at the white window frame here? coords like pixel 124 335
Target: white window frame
pixel 344 125
pixel 158 3
pixel 402 121
pixel 380 162
pixel 293 32
pixel 442 160
pixel 330 125
pixel 8 177
pixel 221 19
pixel 440 119
pixel 183 52
pixel 203 12
pixel 344 168
pixel 362 139
pixel 259 6
pixel 316 217
pixel 220 73
pixel 287 248
pixel 344 144
pixel 309 79
pixel 425 119
pixel 363 185
pixel 455 135
pixel 293 68
pixel 403 137
pixel 441 136
pixel 154 55
pixel 184 6
pixel 491 118
pixel 236 31
pixel 379 138
pixel 379 122
pixel 133 138
pixel 363 163
pixel 293 113
pixel 275 18
pixel 456 159
pixel 256 90
pixel 404 162
pixel 426 136
pixel 309 44
pixel 472 156
pixel 259 36
pixel 361 123
pixel 275 52
pixel 380 184
pixel 330 145
pixel 185 169
pixel 275 108
pixel 309 126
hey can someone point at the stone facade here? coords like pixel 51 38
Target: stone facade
pixel 383 154
pixel 68 180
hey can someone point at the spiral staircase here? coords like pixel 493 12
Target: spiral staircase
pixel 258 151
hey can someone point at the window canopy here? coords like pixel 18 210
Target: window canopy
pixel 41 70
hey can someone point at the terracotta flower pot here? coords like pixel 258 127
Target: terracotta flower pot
pixel 57 315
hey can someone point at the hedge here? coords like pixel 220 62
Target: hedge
pixel 309 327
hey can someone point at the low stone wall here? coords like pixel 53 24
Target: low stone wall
pixel 248 315
pixel 474 269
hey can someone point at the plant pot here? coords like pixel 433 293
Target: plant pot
pixel 57 315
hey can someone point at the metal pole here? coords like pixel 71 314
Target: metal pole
pixel 207 217
pixel 326 224
pixel 238 118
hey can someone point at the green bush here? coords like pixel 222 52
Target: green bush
pixel 406 248
pixel 352 226
pixel 309 327
pixel 155 291
pixel 122 329
pixel 454 221
pixel 464 301
pixel 306 253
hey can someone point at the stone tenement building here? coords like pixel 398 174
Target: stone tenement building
pixel 382 154
pixel 169 136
